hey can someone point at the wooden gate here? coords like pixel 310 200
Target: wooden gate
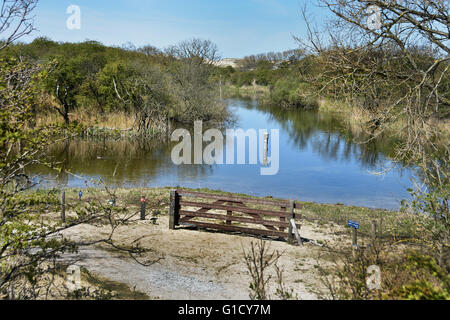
pixel 253 216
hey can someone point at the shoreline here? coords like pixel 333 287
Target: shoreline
pixel 218 191
pixel 313 211
pixel 353 116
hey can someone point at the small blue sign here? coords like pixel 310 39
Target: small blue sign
pixel 353 224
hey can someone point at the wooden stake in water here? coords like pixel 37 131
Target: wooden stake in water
pixel 266 149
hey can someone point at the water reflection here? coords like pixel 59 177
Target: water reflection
pixel 328 136
pixel 121 162
pixel 317 162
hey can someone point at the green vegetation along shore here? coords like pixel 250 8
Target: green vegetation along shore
pixel 142 89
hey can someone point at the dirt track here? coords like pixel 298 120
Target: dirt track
pixel 156 280
pixel 196 264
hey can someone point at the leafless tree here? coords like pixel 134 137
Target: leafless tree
pixel 16 20
pixel 197 96
pixel 251 62
pixel 205 51
pixel 392 58
pixel 150 50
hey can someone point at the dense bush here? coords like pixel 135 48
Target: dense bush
pixel 148 85
pixel 289 93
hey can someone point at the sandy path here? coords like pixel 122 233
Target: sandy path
pixel 156 280
pixel 196 265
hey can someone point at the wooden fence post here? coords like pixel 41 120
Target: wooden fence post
pixel 174 214
pixel 292 216
pixel 283 219
pixel 374 231
pixel 230 214
pixel 143 207
pixel 296 233
pixel 63 206
pixel 355 238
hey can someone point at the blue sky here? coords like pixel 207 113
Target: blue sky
pixel 238 27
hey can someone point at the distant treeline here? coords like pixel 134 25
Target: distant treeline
pixel 181 83
pixel 297 78
pixel 287 74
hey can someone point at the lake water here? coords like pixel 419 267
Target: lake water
pixel 317 163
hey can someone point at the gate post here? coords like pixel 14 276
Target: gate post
pixel 174 214
pixel 292 216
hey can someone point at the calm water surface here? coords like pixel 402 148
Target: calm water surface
pixel 317 163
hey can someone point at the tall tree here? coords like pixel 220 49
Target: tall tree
pixel 64 82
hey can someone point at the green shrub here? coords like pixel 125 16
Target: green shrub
pixel 293 94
